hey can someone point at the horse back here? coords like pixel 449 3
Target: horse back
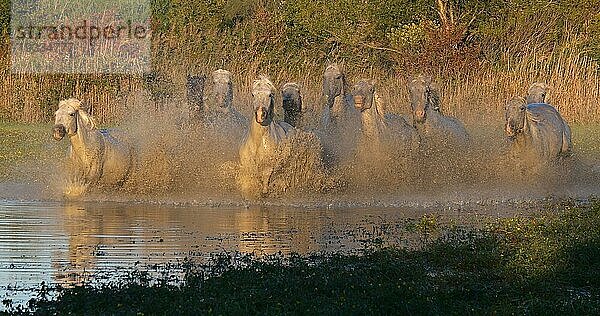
pixel 550 134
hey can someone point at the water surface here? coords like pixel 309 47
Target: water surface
pixel 74 242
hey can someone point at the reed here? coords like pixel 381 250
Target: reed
pixel 476 95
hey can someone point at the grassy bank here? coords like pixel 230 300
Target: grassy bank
pixel 548 264
pixel 585 140
pixel 21 142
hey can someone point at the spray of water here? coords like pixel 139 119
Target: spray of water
pixel 177 159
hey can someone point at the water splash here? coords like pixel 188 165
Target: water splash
pixel 180 161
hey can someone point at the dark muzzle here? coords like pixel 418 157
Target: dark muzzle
pixel 59 132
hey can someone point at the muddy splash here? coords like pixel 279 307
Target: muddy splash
pixel 181 162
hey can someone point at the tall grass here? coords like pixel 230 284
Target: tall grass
pixel 476 96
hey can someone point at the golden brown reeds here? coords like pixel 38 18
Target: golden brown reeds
pixel 475 96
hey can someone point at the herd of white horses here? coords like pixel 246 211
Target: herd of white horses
pixel 351 116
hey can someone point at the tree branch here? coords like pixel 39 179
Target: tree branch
pixel 387 49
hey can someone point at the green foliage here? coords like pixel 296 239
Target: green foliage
pixel 379 36
pixel 274 32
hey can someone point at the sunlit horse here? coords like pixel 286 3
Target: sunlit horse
pixel 95 157
pixel 257 158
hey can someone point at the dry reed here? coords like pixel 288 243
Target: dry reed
pixel 476 96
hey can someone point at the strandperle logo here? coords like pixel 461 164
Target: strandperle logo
pixel 87 37
pixel 85 30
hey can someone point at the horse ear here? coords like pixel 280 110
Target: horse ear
pixel 84 107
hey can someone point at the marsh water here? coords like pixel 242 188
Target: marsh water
pixel 62 242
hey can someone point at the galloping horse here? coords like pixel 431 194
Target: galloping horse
pixel 95 156
pixel 265 136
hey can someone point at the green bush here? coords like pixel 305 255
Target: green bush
pixel 272 32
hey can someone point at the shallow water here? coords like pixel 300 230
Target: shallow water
pixel 186 205
pixel 74 242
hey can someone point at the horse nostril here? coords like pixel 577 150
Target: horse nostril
pixel 59 131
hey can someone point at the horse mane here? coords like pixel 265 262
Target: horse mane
pixel 87 119
pixel 378 104
pixel 435 98
pixel 263 83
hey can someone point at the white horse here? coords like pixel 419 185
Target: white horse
pixel 95 157
pixel 339 118
pixel 539 129
pixel 261 144
pixel 428 119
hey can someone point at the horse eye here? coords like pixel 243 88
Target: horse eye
pixel 72 114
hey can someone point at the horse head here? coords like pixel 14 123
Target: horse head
pixel 363 93
pixel 515 116
pixel 423 97
pixel 537 93
pixel 292 102
pixel 222 88
pixel 263 100
pixel 70 117
pixel 334 83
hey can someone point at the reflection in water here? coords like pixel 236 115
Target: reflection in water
pixel 69 243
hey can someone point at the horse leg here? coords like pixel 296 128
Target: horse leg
pixel 266 179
